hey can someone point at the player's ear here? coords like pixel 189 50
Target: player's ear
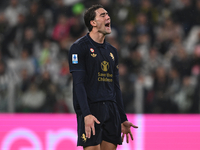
pixel 93 23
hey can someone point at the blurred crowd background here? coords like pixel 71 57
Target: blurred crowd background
pixel 158 43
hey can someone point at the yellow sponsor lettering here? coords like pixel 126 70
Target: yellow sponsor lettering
pixel 109 75
pixel 105 79
pixel 101 74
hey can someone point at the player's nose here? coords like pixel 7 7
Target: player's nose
pixel 107 17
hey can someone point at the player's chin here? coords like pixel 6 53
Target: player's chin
pixel 108 31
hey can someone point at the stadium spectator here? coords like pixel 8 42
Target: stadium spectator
pixel 8 80
pixel 33 14
pixel 33 99
pixel 62 28
pixel 25 61
pixel 13 10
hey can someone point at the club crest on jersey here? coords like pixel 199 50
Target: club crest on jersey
pixel 84 137
pixel 92 50
pixel 105 66
pixel 74 58
pixel 112 56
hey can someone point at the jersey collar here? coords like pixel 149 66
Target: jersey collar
pixel 95 43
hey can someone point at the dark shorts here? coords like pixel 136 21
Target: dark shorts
pixel 109 128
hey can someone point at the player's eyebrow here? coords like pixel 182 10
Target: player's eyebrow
pixel 103 14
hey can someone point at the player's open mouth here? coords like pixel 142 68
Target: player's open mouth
pixel 107 25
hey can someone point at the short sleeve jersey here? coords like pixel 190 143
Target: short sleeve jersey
pixel 100 63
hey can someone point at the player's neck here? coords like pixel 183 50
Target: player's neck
pixel 97 37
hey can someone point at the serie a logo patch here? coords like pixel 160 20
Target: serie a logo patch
pixel 74 58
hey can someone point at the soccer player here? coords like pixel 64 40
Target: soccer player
pixel 97 96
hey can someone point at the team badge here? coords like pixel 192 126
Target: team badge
pixel 84 138
pixel 112 56
pixel 74 58
pixel 105 66
pixel 92 50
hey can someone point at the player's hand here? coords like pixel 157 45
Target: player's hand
pixel 126 130
pixel 89 124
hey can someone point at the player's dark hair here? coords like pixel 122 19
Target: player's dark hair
pixel 90 14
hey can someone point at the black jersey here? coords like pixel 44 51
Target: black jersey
pixel 100 64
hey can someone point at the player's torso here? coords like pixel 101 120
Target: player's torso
pixel 100 65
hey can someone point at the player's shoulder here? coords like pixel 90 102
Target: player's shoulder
pixel 79 46
pixel 80 43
